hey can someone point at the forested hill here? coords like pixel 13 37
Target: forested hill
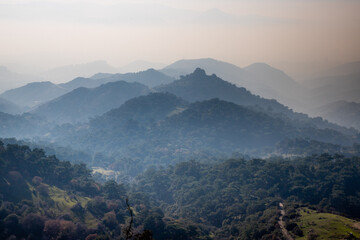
pixel 22 126
pixel 33 93
pixel 161 129
pixel 240 198
pixel 144 109
pixel 198 86
pixel 82 103
pixel 44 198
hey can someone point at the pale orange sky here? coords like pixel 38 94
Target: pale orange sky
pixel 283 33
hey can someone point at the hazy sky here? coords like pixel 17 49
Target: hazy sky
pixel 283 33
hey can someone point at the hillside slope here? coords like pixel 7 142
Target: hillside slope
pixel 82 103
pixel 259 78
pixel 342 112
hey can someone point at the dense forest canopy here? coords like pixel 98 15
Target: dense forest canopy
pixel 237 198
pixel 44 198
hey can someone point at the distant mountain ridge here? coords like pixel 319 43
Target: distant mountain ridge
pixel 336 88
pixel 82 103
pixel 33 93
pixel 340 83
pixel 36 93
pixel 259 78
pixel 150 77
pixel 342 112
pixel 9 107
pixel 343 69
pixel 199 86
pixel 10 79
pixel 140 65
pixel 69 72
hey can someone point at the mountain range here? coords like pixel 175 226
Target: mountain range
pixel 196 157
pixel 198 86
pixel 336 88
pixel 150 77
pixel 10 79
pixel 36 93
pixel 196 114
pixel 82 103
pixel 160 129
pixel 259 78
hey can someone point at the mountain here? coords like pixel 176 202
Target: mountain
pixel 212 66
pixel 82 103
pixel 9 79
pixel 69 72
pixel 340 83
pixel 279 85
pixel 160 129
pixel 342 112
pixel 150 77
pixel 198 86
pixel 330 89
pixel 260 79
pixel 83 82
pixel 343 69
pixel 34 93
pixel 144 109
pixel 140 65
pixel 9 107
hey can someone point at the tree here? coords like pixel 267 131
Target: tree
pixel 113 190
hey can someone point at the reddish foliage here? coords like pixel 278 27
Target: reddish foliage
pixel 91 236
pixel 37 180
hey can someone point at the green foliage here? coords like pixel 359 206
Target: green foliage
pixel 240 197
pixel 22 126
pixel 233 199
pixel 53 199
pixel 325 225
pixel 112 190
pixel 160 129
pixel 308 147
pixel 25 164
